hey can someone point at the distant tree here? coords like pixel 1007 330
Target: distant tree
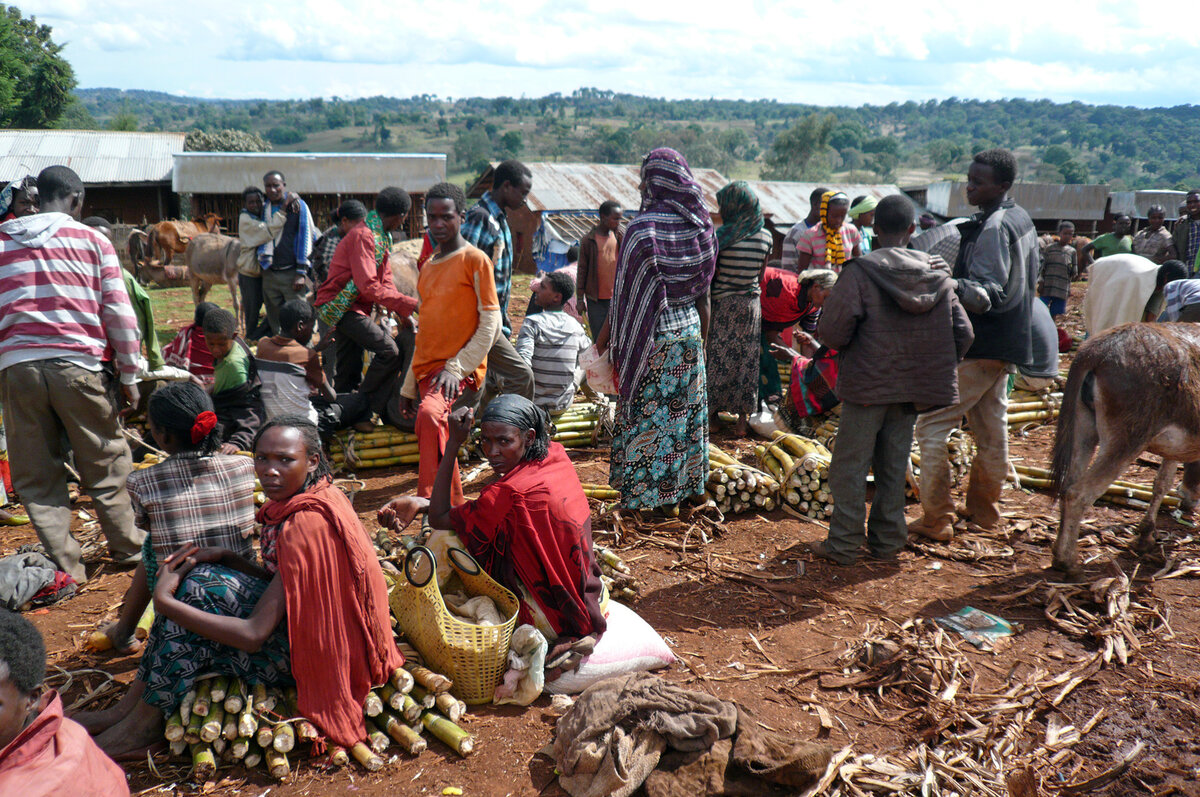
pixel 126 121
pixel 472 150
pixel 35 81
pixel 737 143
pixel 944 153
pixel 1056 155
pixel 284 135
pixel 1073 172
pixel 443 127
pixel 224 141
pixel 78 117
pixel 511 143
pixel 793 151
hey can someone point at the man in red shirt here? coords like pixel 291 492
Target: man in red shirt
pixel 362 257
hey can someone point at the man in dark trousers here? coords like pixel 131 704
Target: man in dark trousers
pixel 900 332
pixel 486 228
pixel 996 273
pixel 597 268
pixel 286 259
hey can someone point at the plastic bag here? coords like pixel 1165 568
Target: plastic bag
pixel 601 375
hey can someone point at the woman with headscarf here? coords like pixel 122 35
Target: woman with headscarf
pixel 531 529
pixel 19 198
pixel 736 324
pixel 658 322
pixel 830 242
pixel 789 301
pixel 862 214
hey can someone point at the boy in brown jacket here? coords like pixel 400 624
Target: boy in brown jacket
pixel 900 332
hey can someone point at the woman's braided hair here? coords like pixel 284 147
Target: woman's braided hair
pixel 175 407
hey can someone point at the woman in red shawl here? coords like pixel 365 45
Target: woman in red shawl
pixel 218 613
pixel 531 529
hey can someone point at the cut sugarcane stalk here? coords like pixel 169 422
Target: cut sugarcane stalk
pixel 234 698
pixel 220 688
pixel 429 680
pixel 338 757
pixel 450 706
pixel 203 700
pixel 191 733
pixel 305 730
pixel 366 757
pixel 424 698
pixel 147 619
pixel 284 737
pixel 239 747
pixel 253 756
pixel 178 748
pixel 213 724
pixel 411 710
pixel 247 722
pixel 402 679
pixel 372 704
pixel 408 739
pixel 185 706
pixel 378 740
pixel 261 700
pixel 393 698
pixel 448 733
pixel 229 731
pixel 277 763
pixel 174 730
pixel 204 762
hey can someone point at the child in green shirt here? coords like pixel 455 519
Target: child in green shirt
pixel 236 386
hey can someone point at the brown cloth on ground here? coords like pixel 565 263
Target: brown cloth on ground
pixel 638 728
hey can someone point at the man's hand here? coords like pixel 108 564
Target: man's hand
pixel 783 353
pixel 461 421
pixel 398 513
pixel 229 448
pixel 130 392
pixel 291 202
pixel 447 383
pixel 300 285
pixel 408 407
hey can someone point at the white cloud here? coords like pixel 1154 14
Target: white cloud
pixel 869 51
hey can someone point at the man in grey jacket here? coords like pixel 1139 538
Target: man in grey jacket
pixel 900 332
pixel 996 272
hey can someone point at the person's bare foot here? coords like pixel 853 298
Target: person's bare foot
pixel 100 721
pixel 141 728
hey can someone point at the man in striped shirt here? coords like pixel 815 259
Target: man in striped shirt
pixel 62 303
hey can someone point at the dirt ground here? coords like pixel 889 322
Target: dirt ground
pixel 755 619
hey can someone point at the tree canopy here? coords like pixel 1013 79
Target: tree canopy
pixel 35 80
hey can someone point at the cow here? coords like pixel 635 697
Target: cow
pixel 138 248
pixel 1132 388
pixel 165 276
pixel 170 238
pixel 211 259
pixel 403 260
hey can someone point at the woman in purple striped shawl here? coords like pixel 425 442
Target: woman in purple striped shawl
pixel 658 322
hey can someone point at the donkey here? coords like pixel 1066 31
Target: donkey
pixel 1132 388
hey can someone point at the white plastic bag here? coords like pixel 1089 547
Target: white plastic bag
pixel 601 376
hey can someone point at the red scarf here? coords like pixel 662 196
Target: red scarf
pixel 533 528
pixel 337 608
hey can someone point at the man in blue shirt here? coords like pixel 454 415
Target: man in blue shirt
pixel 486 227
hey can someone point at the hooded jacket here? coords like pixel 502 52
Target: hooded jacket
pixel 62 296
pixel 899 329
pixel 55 756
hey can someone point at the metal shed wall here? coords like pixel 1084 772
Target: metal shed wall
pixel 99 157
pixel 1040 200
pixel 1137 203
pixel 787 203
pixel 307 173
pixel 584 186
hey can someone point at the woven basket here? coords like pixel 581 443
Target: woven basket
pixel 474 657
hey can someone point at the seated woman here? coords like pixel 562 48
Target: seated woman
pixel 789 300
pixel 531 529
pixel 219 613
pixel 188 349
pixel 812 388
pixel 195 497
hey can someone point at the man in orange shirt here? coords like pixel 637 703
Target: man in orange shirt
pixel 460 320
pixel 598 266
pixel 363 256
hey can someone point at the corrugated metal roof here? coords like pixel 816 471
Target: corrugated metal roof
pixel 1137 203
pixel 786 203
pixel 99 157
pixel 584 186
pixel 307 172
pixel 572 225
pixel 1040 200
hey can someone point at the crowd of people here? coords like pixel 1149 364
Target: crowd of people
pixel 692 317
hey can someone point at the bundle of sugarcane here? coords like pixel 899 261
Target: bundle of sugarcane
pixel 735 487
pixel 616 575
pixel 577 426
pixel 1120 492
pixel 1025 407
pixel 385 446
pixel 802 469
pixel 960 449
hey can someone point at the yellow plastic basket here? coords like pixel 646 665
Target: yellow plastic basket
pixel 474 657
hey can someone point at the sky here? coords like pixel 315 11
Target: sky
pixel 830 53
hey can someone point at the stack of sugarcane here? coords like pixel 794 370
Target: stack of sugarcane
pixel 224 719
pixel 736 488
pixel 578 426
pixel 384 446
pixel 616 575
pixel 960 449
pixel 1025 407
pixel 802 469
pixel 1120 492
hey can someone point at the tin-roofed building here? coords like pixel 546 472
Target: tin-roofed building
pixel 785 203
pixel 1046 203
pixel 127 175
pixel 213 181
pixel 565 200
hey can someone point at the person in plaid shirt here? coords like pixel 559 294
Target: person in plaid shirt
pixel 194 496
pixel 486 228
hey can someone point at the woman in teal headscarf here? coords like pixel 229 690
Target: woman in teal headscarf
pixel 733 340
pixel 862 215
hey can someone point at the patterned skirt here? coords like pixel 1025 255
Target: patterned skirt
pixel 660 447
pixel 732 354
pixel 175 657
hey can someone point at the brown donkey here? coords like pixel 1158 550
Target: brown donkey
pixel 1131 389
